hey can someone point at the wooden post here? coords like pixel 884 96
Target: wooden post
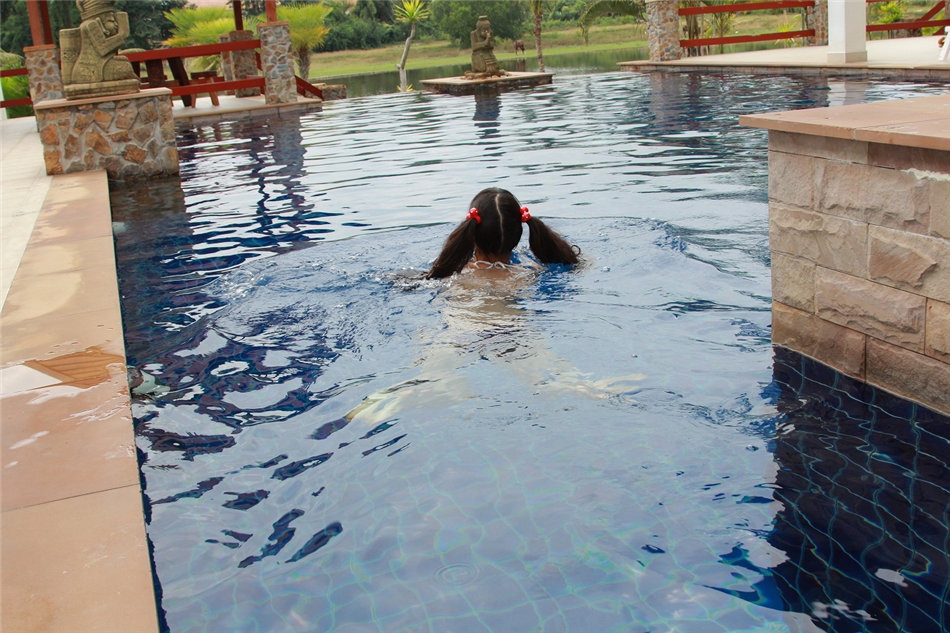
pixel 37 29
pixel 270 7
pixel 238 16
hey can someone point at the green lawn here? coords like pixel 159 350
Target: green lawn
pixel 566 39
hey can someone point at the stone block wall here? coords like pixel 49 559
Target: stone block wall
pixel 860 240
pixel 129 136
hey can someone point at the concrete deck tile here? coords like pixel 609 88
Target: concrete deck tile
pixel 79 565
pixel 67 440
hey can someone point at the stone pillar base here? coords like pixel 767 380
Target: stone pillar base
pixel 132 136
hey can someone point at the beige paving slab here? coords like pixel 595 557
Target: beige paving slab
pixel 79 565
pixel 922 122
pixel 24 187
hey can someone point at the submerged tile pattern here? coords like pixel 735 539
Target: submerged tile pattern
pixel 864 485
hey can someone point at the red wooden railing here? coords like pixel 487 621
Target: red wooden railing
pixel 742 7
pixel 187 87
pixel 926 20
pixel 184 86
pixel 12 103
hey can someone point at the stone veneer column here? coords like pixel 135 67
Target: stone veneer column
pixel 663 30
pixel 277 62
pixel 244 63
pixel 227 63
pixel 129 136
pixel 859 234
pixel 817 18
pixel 42 65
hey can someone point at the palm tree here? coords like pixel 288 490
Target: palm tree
pixel 596 8
pixel 537 10
pixel 410 11
pixel 306 31
pixel 196 26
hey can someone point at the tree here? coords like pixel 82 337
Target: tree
pixel 202 25
pixel 306 31
pixel 456 18
pixel 379 10
pixel 147 18
pixel 149 24
pixel 597 8
pixel 537 10
pixel 410 11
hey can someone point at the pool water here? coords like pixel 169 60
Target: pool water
pixel 330 443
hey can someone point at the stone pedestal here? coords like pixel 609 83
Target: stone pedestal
pixel 663 30
pixel 859 233
pixel 42 64
pixel 847 22
pixel 816 18
pixel 277 62
pixel 129 136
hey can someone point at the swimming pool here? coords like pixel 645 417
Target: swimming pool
pixel 335 445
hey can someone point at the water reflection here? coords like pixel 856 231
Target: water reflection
pixel 638 511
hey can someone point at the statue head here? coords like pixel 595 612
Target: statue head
pixel 482 24
pixel 89 9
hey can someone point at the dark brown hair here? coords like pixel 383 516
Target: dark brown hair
pixel 497 234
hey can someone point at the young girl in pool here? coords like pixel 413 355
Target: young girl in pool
pixel 490 232
pixel 487 327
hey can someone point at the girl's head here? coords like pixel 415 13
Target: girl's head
pixel 493 229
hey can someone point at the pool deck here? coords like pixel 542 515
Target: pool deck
pixel 914 59
pixel 72 529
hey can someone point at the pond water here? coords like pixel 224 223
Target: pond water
pixel 562 64
pixel 333 444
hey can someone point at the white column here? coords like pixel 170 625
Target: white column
pixel 847 20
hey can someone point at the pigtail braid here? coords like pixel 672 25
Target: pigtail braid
pixel 548 246
pixel 456 251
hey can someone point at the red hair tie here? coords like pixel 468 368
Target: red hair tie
pixel 473 215
pixel 525 216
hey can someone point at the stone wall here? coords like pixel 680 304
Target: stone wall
pixel 860 239
pixel 277 62
pixel 129 136
pixel 663 30
pixel 42 65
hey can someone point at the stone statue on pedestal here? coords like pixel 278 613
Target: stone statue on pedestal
pixel 91 65
pixel 484 63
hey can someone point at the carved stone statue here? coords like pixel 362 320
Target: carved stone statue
pixel 91 65
pixel 484 63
